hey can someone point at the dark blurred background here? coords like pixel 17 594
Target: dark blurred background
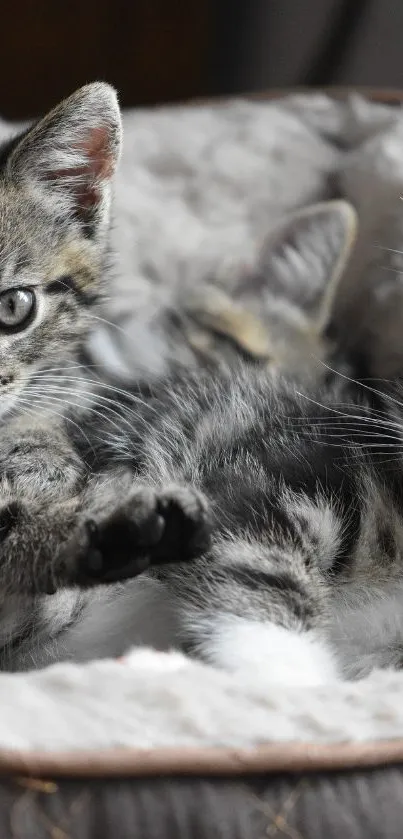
pixel 158 51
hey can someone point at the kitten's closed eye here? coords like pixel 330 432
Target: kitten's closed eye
pixel 17 309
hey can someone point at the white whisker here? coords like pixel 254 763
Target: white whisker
pixel 389 250
pixel 54 397
pixel 391 270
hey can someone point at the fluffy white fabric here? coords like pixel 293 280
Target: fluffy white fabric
pixel 197 191
pixel 162 699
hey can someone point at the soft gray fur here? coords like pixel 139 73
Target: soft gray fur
pixel 272 530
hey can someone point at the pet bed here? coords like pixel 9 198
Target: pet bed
pixel 156 744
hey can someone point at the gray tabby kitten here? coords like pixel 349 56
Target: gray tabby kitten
pixel 270 525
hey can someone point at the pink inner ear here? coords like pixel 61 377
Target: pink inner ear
pixel 85 181
pixel 98 151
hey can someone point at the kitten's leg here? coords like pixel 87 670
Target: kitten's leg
pixel 112 532
pixel 257 608
pixel 247 603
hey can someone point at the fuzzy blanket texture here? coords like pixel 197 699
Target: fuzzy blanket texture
pixel 198 189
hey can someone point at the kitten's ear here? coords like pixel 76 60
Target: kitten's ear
pixel 69 157
pixel 304 259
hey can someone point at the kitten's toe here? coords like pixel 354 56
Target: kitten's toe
pixel 120 545
pixel 150 528
pixel 187 532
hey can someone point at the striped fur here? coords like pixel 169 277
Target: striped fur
pixel 261 503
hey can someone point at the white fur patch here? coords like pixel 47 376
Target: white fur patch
pixel 278 655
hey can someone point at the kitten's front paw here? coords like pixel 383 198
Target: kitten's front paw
pixel 152 527
pixel 187 524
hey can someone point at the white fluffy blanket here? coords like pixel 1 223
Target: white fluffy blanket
pixel 162 699
pixel 197 190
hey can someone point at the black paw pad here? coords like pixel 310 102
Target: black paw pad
pixel 9 517
pixel 187 532
pixel 118 548
pixel 151 528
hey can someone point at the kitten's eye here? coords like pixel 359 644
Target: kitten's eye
pixel 17 306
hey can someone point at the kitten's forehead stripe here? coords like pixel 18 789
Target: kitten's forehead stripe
pixel 76 261
pixel 39 249
pixel 22 261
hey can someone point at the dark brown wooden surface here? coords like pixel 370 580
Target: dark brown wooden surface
pixel 152 50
